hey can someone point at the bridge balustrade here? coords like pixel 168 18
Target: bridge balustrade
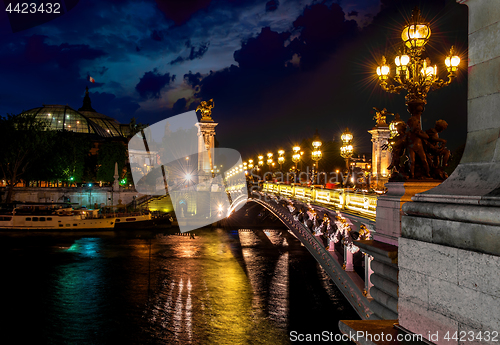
pixel 349 283
pixel 362 203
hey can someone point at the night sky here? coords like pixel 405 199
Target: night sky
pixel 277 70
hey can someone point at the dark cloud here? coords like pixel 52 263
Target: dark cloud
pixel 193 79
pixel 353 14
pixel 152 83
pixel 120 108
pixel 179 106
pixel 102 70
pixel 177 60
pixel 41 73
pixel 261 88
pixel 264 52
pixel 322 30
pixel 181 11
pixel 157 36
pixel 198 53
pixel 272 5
pixel 195 53
pixel 65 55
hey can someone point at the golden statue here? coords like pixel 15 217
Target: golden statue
pixel 380 116
pixel 206 110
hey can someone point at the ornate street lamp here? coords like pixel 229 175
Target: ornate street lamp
pixel 296 159
pixel 281 158
pixel 270 160
pixel 260 160
pixel 296 155
pixel 346 150
pixel 316 153
pixel 414 73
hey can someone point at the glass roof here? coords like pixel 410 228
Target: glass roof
pixel 63 117
pixel 109 124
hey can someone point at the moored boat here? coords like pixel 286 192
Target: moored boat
pixel 53 217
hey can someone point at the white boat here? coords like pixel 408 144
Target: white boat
pixel 123 221
pixel 49 217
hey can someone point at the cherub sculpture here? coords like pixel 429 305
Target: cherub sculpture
pixel 437 153
pixel 415 139
pixel 398 145
pixel 437 145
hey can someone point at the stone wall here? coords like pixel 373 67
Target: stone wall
pixel 447 289
pixel 83 196
pixel 449 252
pixel 389 213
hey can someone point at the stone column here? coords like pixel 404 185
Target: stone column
pixel 348 260
pixel 206 144
pixel 116 183
pixel 368 273
pixel 381 158
pixel 449 252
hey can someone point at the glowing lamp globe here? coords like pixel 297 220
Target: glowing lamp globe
pixel 346 137
pixel 452 61
pixel 417 32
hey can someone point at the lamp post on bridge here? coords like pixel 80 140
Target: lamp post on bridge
pixel 346 150
pixel 296 158
pixel 281 159
pixel 260 162
pixel 316 154
pixel 415 74
pixel 270 161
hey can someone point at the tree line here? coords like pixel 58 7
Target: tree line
pixel 32 152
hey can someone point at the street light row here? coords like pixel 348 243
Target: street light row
pixel 346 152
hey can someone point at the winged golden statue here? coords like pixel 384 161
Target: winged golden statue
pixel 205 108
pixel 380 116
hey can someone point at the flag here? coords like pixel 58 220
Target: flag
pixel 89 78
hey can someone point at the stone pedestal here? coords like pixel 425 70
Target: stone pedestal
pixel 381 158
pixel 388 224
pixel 206 144
pixel 348 260
pixel 383 278
pixel 449 252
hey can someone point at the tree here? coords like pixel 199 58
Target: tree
pixel 66 160
pixel 109 153
pixel 23 139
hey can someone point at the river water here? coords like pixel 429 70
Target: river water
pixel 222 287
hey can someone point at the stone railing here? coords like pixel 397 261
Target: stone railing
pixel 360 203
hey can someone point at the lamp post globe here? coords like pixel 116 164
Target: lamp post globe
pixel 316 154
pixel 346 150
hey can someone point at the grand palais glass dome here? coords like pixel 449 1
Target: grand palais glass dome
pixel 85 120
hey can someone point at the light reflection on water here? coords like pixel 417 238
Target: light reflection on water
pixel 220 288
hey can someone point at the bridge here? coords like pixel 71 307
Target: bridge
pixel 328 222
